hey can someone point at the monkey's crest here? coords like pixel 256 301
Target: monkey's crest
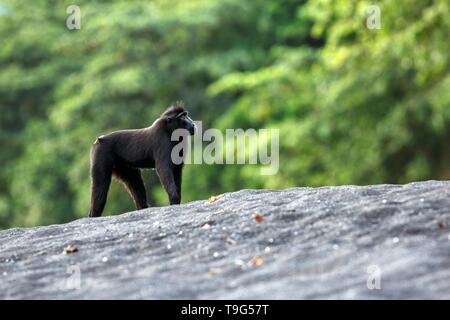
pixel 173 110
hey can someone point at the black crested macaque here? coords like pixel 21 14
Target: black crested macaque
pixel 122 153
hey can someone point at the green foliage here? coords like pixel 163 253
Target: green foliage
pixel 353 105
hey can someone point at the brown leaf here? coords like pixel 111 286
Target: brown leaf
pixel 259 218
pixel 256 261
pixel 441 225
pixel 70 249
pixel 215 198
pixel 231 242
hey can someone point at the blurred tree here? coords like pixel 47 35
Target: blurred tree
pixel 370 106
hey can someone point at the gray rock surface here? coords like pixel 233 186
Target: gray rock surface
pixel 327 243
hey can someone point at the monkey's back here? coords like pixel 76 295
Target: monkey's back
pixel 128 147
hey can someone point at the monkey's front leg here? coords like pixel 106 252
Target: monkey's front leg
pixel 166 177
pixel 177 175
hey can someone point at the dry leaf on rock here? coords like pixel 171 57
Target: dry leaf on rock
pixel 256 261
pixel 70 249
pixel 215 198
pixel 259 218
pixel 442 225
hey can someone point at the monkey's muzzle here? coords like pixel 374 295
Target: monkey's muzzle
pixel 192 129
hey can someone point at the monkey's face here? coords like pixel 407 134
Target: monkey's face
pixel 181 121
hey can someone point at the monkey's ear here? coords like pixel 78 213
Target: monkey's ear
pixel 169 119
pixel 181 114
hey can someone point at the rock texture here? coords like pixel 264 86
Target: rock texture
pixel 330 242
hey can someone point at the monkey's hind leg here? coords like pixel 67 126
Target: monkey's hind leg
pixel 132 179
pixel 101 172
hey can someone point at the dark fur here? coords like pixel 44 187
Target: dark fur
pixel 122 153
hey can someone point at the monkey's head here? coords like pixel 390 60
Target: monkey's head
pixel 176 117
